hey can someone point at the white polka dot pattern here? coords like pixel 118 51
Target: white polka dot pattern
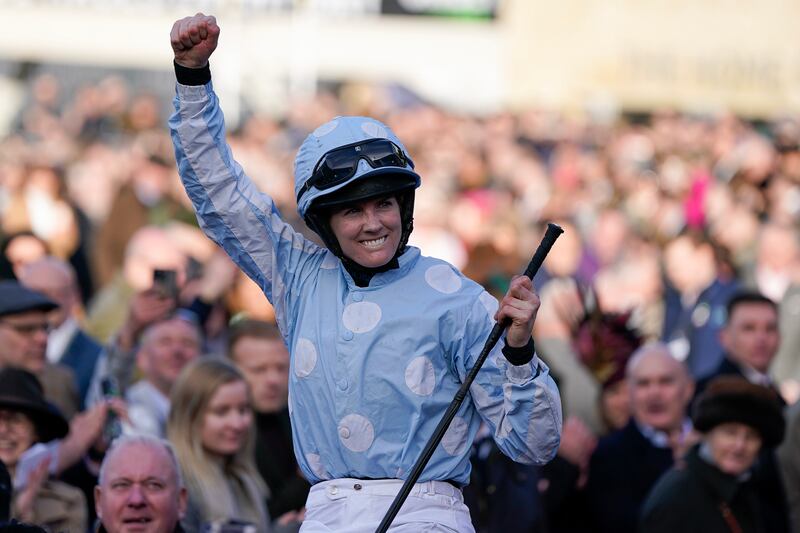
pixel 420 376
pixel 490 303
pixel 443 279
pixel 479 395
pixel 330 262
pixel 305 358
pixel 360 317
pixel 315 463
pixel 454 441
pixel 374 130
pixel 326 128
pixel 356 433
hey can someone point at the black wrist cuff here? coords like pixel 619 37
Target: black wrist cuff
pixel 520 356
pixel 192 76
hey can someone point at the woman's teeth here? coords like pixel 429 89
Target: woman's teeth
pixel 376 243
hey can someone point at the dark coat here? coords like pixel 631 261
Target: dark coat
pixel 690 500
pixel 623 469
pixel 699 324
pixel 81 356
pixel 767 478
pixel 728 367
pixel 277 465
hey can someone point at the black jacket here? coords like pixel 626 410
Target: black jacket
pixel 623 469
pixel 694 498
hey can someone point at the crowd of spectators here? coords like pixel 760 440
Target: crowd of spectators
pixel 681 247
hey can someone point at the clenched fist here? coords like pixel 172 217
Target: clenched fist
pixel 194 39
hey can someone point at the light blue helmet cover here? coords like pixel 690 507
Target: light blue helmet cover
pixel 341 131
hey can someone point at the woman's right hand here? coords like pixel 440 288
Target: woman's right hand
pixel 194 39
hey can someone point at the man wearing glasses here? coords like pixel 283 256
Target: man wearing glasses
pixel 24 326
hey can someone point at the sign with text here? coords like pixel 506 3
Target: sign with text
pixel 697 55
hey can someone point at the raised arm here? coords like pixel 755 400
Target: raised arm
pixel 229 207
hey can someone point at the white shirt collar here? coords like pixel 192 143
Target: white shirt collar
pixel 59 339
pixel 660 439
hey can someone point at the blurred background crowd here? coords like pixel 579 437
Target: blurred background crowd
pixel 669 217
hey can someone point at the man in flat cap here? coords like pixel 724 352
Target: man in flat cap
pixel 24 327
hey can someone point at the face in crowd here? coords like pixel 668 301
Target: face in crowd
pixel 139 490
pixel 17 434
pixel 227 419
pixel 23 340
pixel 165 349
pixel 660 388
pixel 750 336
pixel 734 447
pixel 265 365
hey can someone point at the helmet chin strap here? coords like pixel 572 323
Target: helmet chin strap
pixel 319 222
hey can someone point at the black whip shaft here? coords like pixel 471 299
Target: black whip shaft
pixel 551 234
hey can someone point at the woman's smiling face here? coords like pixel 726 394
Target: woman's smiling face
pixel 368 231
pixel 734 447
pixel 17 434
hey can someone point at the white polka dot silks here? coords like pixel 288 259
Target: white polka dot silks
pixel 370 379
pixel 305 358
pixel 326 128
pixel 443 279
pixel 356 432
pixel 360 317
pixel 374 130
pixel 421 376
pixel 455 438
pixel 490 303
pixel 314 461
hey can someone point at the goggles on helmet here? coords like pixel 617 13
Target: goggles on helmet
pixel 341 164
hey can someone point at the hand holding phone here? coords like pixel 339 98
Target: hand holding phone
pixel 166 283
pixel 112 427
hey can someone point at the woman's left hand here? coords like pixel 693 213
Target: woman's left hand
pixel 519 305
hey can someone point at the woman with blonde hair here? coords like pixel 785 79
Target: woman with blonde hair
pixel 211 427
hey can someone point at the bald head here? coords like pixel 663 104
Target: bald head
pixel 55 279
pixel 660 387
pixel 140 487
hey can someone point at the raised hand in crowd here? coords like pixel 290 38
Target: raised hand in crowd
pixel 146 307
pixel 26 498
pixel 86 432
pixel 219 276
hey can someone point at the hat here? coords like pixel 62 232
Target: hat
pixel 339 132
pixel 604 342
pixel 21 391
pixel 734 399
pixel 16 298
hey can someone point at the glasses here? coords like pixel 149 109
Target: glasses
pixel 28 329
pixel 13 420
pixel 340 164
